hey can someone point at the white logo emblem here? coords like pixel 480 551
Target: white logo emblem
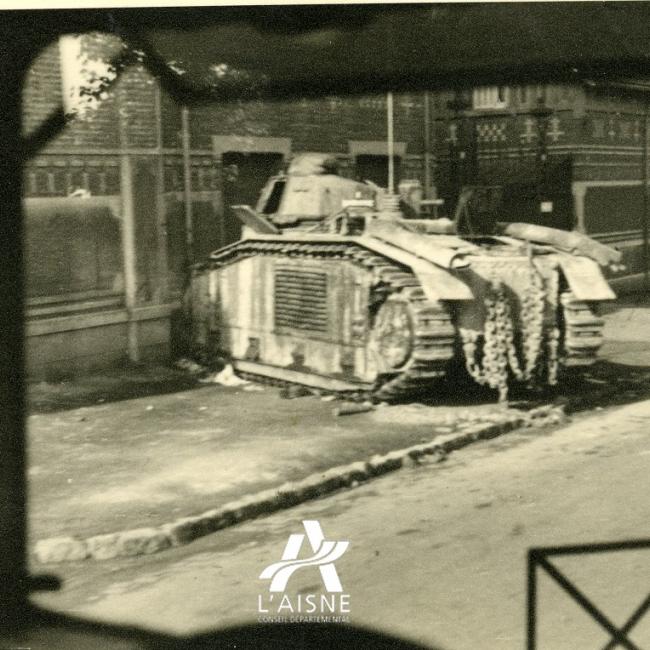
pixel 325 553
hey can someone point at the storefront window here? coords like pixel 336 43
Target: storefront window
pixel 73 248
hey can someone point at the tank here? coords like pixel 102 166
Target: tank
pixel 341 286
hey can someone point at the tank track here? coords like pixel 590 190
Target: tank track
pixel 433 347
pixel 582 331
pixel 432 329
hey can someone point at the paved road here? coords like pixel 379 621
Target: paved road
pixel 117 465
pixel 437 552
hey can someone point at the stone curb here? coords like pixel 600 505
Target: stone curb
pixel 144 541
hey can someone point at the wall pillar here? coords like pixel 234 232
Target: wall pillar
pixel 162 264
pixel 128 253
pixel 187 184
pixel 579 191
pixel 128 235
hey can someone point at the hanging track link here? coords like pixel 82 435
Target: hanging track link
pixel 583 331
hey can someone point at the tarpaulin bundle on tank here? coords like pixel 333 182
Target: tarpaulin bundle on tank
pixel 572 242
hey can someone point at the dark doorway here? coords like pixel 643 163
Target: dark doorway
pixel 244 175
pixel 524 202
pixel 375 169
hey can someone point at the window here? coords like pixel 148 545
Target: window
pixel 73 248
pixel 523 95
pixel 490 97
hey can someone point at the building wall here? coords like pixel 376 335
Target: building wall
pixel 109 239
pixel 116 174
pixel 579 149
pixel 79 315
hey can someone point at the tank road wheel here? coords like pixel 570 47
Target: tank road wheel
pixel 411 343
pixel 392 335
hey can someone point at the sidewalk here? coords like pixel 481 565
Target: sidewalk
pixel 146 461
pixel 112 385
pixel 116 465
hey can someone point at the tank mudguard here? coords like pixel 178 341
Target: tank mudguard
pixel 585 278
pixel 446 257
pixel 437 283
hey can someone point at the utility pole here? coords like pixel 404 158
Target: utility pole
pixel 391 144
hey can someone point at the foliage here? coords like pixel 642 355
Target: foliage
pixel 100 66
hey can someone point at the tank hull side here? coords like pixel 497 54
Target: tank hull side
pixel 309 316
pixel 335 314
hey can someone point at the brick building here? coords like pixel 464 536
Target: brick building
pixel 121 201
pixel 566 156
pixel 133 190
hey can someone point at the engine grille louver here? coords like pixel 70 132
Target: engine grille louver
pixel 300 300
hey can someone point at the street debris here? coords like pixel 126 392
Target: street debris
pixel 190 366
pixel 226 377
pixel 254 388
pixel 352 408
pixel 547 415
pixel 292 392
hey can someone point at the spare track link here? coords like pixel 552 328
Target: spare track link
pixel 433 332
pixel 583 333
